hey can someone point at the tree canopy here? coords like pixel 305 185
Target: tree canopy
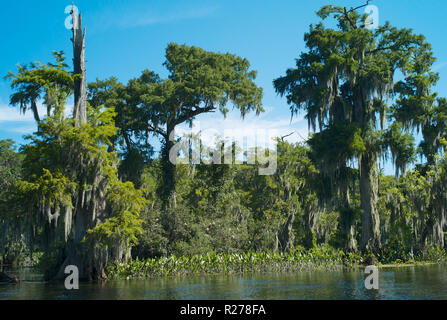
pixel 344 83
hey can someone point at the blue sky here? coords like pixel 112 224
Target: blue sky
pixel 125 37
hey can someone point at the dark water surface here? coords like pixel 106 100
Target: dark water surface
pixel 425 282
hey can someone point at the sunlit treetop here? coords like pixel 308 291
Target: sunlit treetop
pixel 51 83
pixel 348 71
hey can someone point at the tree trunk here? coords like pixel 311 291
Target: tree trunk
pixel 439 207
pixel 347 218
pixel 286 236
pixel 90 206
pixel 369 196
pixel 80 88
pixel 276 243
pixel 425 228
pixel 90 209
pixel 439 223
pixel 347 229
pixel 438 234
pixel 167 188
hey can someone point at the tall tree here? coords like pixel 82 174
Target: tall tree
pixel 199 82
pixel 419 108
pixel 343 83
pixel 337 188
pixel 70 175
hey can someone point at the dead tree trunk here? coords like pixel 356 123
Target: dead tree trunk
pixel 80 89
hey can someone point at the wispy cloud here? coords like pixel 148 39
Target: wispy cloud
pixel 212 125
pixel 142 17
pixel 146 19
pixel 439 66
pixel 23 129
pixel 11 114
pixel 13 121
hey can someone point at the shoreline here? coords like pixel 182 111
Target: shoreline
pixel 339 268
pixel 409 264
pixel 232 264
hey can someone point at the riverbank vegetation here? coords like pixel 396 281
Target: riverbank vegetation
pixel 299 259
pixel 91 189
pixel 325 258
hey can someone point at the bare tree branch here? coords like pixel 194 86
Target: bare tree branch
pixel 288 135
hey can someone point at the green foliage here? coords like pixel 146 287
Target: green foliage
pixel 197 76
pixel 10 164
pixel 202 219
pixel 401 146
pixel 50 82
pixel 199 82
pixel 343 83
pixel 64 161
pixel 337 143
pixel 49 189
pixel 13 243
pixel 125 224
pixel 298 260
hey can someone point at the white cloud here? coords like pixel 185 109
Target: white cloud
pixel 24 129
pixel 146 16
pixel 8 113
pixel 439 66
pixel 145 19
pixel 14 121
pixel 214 125
pixel 13 114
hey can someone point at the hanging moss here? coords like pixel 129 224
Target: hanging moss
pixel 70 172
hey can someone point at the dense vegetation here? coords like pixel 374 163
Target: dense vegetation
pixel 90 190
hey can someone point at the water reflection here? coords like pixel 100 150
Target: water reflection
pixel 404 283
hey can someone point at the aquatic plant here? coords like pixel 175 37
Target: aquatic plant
pixel 322 258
